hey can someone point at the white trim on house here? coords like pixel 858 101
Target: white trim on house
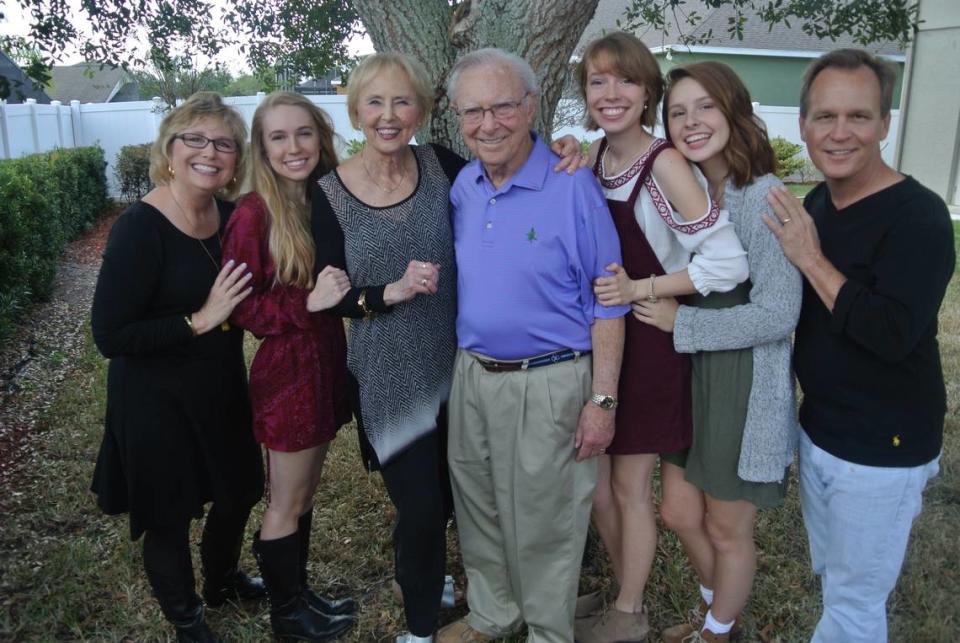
pixel 116 88
pixel 752 51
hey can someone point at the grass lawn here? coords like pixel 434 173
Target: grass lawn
pixel 800 189
pixel 70 573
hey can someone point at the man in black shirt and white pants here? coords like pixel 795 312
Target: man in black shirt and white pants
pixel 876 250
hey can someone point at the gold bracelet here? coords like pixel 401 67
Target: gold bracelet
pixel 362 303
pixel 193 331
pixel 652 297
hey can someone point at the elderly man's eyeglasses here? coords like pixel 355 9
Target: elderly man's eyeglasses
pixel 199 141
pixel 501 112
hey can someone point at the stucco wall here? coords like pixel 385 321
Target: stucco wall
pixel 930 118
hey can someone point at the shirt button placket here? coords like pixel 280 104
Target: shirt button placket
pixel 488 224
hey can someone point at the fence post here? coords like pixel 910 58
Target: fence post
pixel 4 131
pixel 158 113
pixel 55 104
pixel 34 124
pixel 77 121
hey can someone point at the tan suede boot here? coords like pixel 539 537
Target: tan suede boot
pixel 589 604
pixel 613 626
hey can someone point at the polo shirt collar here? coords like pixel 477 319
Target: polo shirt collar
pixel 531 175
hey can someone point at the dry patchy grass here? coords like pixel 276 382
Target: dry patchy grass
pixel 70 573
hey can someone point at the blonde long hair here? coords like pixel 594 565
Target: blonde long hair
pixel 291 241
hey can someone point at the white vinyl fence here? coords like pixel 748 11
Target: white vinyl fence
pixel 31 127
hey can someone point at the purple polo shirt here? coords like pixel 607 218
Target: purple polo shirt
pixel 527 254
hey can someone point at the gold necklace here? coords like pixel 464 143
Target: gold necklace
pixel 717 193
pixel 403 175
pixel 225 326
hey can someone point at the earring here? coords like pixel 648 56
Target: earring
pixel 171 172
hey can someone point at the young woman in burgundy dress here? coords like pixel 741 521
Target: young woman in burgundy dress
pixel 298 377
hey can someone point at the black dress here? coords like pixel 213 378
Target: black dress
pixel 178 427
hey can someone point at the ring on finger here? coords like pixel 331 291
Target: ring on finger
pixel 423 282
pixel 785 221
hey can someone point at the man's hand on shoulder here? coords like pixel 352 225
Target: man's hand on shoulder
pixel 797 233
pixel 793 227
pixel 594 431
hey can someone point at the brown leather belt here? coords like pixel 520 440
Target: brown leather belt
pixel 506 366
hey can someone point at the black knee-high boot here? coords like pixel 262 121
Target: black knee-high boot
pixel 332 606
pixel 220 554
pixel 166 560
pixel 290 614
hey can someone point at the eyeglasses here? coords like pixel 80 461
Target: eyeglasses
pixel 199 141
pixel 501 112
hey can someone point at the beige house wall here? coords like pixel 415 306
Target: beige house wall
pixel 928 145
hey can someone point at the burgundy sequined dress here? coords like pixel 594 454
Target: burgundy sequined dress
pixel 298 378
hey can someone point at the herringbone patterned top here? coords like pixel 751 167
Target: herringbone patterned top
pixel 403 360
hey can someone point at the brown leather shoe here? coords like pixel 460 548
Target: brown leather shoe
pixel 613 626
pixel 461 632
pixel 706 636
pixel 679 633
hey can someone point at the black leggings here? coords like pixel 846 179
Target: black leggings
pixel 167 562
pixel 419 486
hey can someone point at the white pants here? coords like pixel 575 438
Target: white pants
pixel 858 520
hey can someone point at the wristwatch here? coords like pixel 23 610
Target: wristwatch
pixel 605 402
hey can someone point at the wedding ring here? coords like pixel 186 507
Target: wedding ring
pixel 424 266
pixel 787 220
pixel 423 282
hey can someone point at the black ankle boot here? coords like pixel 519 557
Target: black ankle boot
pixel 222 579
pixel 234 586
pixel 193 629
pixel 173 586
pixel 330 606
pixel 290 614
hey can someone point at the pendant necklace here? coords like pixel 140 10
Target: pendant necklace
pixel 403 175
pixel 224 326
pixel 716 193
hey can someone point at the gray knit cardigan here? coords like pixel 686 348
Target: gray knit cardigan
pixel 766 324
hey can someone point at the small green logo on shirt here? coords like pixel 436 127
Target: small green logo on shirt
pixel 532 235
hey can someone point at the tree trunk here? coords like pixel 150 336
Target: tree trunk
pixel 544 32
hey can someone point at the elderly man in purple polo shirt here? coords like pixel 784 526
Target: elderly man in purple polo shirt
pixel 534 386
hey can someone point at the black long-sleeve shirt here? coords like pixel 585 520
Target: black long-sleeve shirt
pixel 870 370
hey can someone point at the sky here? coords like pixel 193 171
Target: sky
pixel 16 23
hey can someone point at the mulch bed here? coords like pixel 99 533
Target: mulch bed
pixel 39 359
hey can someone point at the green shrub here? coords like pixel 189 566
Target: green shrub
pixel 45 200
pixel 788 161
pixel 355 146
pixel 132 170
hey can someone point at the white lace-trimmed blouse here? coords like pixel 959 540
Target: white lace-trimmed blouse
pixel 707 247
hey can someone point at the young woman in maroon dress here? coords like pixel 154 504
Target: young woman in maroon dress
pixel 298 377
pixel 675 241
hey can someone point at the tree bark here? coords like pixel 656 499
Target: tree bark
pixel 544 32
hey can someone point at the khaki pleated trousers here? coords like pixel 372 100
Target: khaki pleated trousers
pixel 522 502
